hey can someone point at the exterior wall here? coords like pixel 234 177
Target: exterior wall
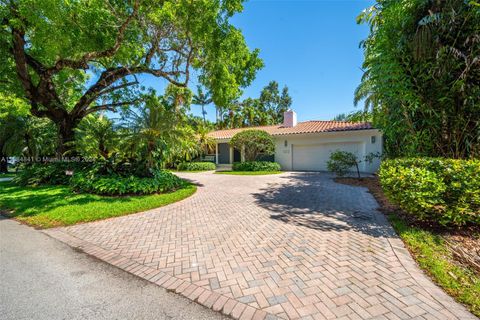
pixel 284 154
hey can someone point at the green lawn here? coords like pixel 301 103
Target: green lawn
pixel 51 206
pixel 248 173
pixel 7 175
pixel 434 257
pixel 187 171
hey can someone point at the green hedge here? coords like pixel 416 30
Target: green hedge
pixel 196 166
pixel 444 191
pixel 89 182
pixel 256 166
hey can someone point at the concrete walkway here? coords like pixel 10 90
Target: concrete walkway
pixel 294 245
pixel 41 278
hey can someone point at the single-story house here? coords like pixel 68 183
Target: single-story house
pixel 306 146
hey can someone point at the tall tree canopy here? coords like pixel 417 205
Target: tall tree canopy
pixel 267 109
pixel 73 58
pixel 422 76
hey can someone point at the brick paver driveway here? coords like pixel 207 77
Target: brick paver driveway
pixel 291 245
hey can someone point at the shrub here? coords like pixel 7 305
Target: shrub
pixel 445 191
pixel 341 162
pixel 254 142
pixel 53 173
pixel 196 166
pixel 161 181
pixel 256 166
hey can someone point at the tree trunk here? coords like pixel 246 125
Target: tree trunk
pixel 66 137
pixel 358 170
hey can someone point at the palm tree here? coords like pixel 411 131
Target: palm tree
pixel 96 136
pixel 202 99
pixel 156 130
pixel 205 142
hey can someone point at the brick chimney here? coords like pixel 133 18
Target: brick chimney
pixel 289 118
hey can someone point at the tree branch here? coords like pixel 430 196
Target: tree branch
pixel 111 89
pixel 82 63
pixel 21 62
pixel 110 106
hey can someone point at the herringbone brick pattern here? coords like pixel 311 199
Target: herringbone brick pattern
pixel 294 245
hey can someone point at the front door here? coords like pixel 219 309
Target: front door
pixel 223 153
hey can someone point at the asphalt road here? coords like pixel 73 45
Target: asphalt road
pixel 41 278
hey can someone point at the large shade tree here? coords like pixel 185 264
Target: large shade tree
pixel 70 59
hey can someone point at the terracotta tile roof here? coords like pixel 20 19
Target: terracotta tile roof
pixel 300 128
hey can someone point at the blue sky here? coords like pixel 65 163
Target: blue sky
pixel 310 46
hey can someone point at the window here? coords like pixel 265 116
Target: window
pixel 372 138
pixel 285 143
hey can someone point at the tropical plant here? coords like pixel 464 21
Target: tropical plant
pixel 202 99
pixel 39 138
pixel 12 112
pixel 47 49
pixel 253 143
pixel 157 132
pixel 160 182
pixel 422 76
pixel 21 134
pixel 355 116
pixel 96 137
pixel 205 142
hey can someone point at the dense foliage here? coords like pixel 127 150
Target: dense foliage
pixel 161 181
pixel 196 166
pixel 422 76
pixel 54 173
pixel 157 132
pixel 20 134
pixel 254 143
pixel 69 59
pixel 256 166
pixel 267 109
pixel 445 191
pixel 100 177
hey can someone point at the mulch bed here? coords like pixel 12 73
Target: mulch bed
pixel 464 242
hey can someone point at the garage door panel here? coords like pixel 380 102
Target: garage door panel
pixel 315 157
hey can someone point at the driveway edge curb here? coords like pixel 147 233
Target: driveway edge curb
pixel 207 298
pixel 421 278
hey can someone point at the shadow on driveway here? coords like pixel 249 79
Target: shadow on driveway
pixel 315 201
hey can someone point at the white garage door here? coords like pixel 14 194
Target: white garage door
pixel 315 157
